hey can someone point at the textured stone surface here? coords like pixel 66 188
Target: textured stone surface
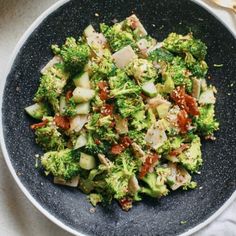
pixel 150 217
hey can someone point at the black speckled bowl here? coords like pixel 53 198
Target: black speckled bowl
pixel 68 207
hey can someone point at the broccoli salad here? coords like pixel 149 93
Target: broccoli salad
pixel 120 114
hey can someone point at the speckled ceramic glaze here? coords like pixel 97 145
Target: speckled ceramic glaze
pixel 149 217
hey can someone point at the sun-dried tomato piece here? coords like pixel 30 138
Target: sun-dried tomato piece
pixel 179 150
pixel 126 203
pixel 97 141
pixel 183 121
pixel 185 101
pixel 192 105
pixel 125 141
pixel 107 109
pixel 103 93
pixel 69 95
pixel 117 149
pixel 39 125
pixel 62 122
pixel 150 162
pixel 178 95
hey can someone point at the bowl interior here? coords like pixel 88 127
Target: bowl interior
pixel 149 217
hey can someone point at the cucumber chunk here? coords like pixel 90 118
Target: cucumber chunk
pixel 87 162
pixel 83 94
pixel 81 141
pixel 37 110
pixel 163 110
pixel 83 108
pixel 149 89
pixel 89 30
pixel 62 105
pixel 82 80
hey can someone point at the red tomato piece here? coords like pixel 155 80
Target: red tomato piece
pixel 125 141
pixel 150 162
pixel 39 125
pixel 103 93
pixel 178 95
pixel 183 121
pixel 62 122
pixel 117 149
pixel 192 105
pixel 69 95
pixel 179 150
pixel 126 203
pixel 107 109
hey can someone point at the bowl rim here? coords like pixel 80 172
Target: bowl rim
pixel 33 201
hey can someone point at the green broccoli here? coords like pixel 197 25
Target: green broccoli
pixel 95 198
pixel 206 123
pixel 191 159
pixel 74 54
pixel 63 163
pixel 155 181
pixel 142 70
pixel 127 88
pixel 51 85
pixel 161 54
pixel 103 67
pixel 138 120
pixel 49 137
pixel 101 128
pixel 116 37
pixel 128 106
pixel 197 68
pixel 179 44
pixel 119 175
pixel 38 110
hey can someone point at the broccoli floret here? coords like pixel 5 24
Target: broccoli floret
pixel 138 137
pixel 142 70
pixel 49 137
pixel 74 54
pixel 155 181
pixel 177 72
pixel 138 120
pixel 179 44
pixel 128 106
pixel 119 175
pixel 95 198
pixel 101 128
pixel 191 159
pixel 121 84
pixel 63 163
pixel 103 67
pixel 51 85
pixel 206 123
pixel 116 37
pixel 197 68
pixel 129 87
pixel 161 54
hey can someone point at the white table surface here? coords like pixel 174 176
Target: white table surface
pixel 17 216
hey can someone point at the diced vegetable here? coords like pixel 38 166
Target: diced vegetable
pixel 89 30
pixel 124 56
pixel 77 122
pixel 82 80
pixel 74 182
pixel 83 108
pixel 149 89
pixel 37 110
pixel 52 62
pixel 83 94
pixel 196 87
pixel 86 161
pixel 163 110
pixel 207 97
pixel 81 141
